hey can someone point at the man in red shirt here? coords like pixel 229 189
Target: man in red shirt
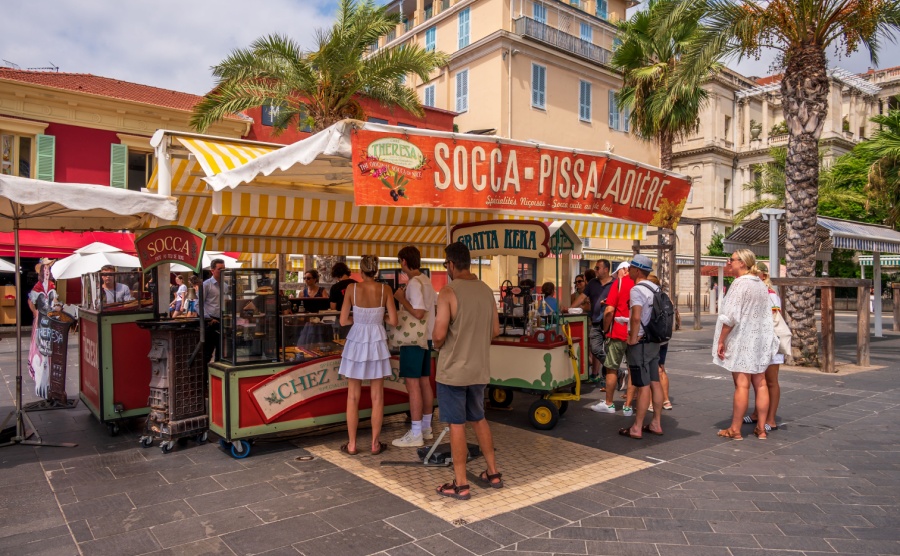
pixel 617 336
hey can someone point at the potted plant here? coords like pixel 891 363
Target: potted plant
pixel 779 129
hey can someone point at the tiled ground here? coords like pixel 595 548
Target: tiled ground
pixel 535 468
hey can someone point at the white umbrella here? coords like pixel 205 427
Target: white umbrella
pixel 6 266
pixel 92 258
pixel 27 204
pixel 208 256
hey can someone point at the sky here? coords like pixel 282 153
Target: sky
pixel 172 44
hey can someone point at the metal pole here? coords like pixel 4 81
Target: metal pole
pixel 876 305
pixel 697 250
pixel 774 263
pixel 721 289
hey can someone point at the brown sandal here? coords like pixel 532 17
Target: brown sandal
pixel 489 479
pixel 760 433
pixel 381 448
pixel 452 490
pixel 728 433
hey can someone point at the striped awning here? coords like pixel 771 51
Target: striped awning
pixel 858 236
pixel 891 261
pixel 272 217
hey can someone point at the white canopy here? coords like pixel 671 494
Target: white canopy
pixel 92 258
pixel 6 266
pixel 208 256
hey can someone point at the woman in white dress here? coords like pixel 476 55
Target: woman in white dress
pixel 745 340
pixel 777 361
pixel 366 355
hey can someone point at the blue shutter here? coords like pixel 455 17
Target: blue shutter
pixel 46 158
pixel 613 111
pixel 538 86
pixel 462 91
pixel 626 115
pixel 429 95
pixel 430 39
pixel 587 32
pixel 602 8
pixel 118 166
pixel 539 11
pixel 464 28
pixel 584 101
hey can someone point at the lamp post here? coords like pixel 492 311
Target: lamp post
pixel 773 215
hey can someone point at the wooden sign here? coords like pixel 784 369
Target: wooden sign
pixel 520 238
pixel 466 173
pixel 171 244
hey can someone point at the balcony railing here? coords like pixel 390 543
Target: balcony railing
pixel 528 27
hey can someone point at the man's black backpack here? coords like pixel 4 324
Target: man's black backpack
pixel 662 317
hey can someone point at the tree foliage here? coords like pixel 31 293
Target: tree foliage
pixel 883 177
pixel 325 85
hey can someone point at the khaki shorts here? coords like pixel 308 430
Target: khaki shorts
pixel 615 354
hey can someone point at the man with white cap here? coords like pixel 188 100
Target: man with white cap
pixel 643 355
pixel 616 334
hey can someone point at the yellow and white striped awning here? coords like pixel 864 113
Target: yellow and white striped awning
pixel 274 218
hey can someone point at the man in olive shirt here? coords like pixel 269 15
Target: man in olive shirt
pixel 465 323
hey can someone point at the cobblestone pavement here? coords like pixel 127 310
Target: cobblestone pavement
pixel 827 482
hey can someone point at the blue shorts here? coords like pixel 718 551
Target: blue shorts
pixel 459 404
pixel 415 362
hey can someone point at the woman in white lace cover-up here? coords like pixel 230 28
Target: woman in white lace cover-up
pixel 745 340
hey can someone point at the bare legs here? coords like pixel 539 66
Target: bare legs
pixel 376 394
pixel 664 382
pixel 774 395
pixel 420 397
pixel 644 396
pixel 612 377
pixel 459 449
pixel 742 383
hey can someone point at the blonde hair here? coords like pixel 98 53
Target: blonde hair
pixel 749 259
pixel 368 265
pixel 653 278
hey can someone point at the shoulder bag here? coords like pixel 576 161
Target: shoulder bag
pixel 409 331
pixel 783 332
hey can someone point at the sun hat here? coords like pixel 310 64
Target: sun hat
pixel 623 266
pixel 642 262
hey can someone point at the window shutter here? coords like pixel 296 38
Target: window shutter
pixel 613 111
pixel 626 116
pixel 430 39
pixel 462 91
pixel 587 32
pixel 118 166
pixel 584 108
pixel 46 158
pixel 538 85
pixel 464 28
pixel 429 95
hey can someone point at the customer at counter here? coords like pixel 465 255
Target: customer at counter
pixel 113 292
pixel 211 310
pixel 312 289
pixel 341 273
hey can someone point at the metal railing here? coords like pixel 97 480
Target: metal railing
pixel 528 27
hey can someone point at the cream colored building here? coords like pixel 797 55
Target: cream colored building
pixel 528 70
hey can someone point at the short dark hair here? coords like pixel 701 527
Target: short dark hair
pixel 579 276
pixel 215 262
pixel 605 264
pixel 108 268
pixel 589 275
pixel 312 272
pixel 458 254
pixel 547 289
pixel 412 256
pixel 340 269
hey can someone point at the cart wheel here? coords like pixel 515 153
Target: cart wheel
pixel 500 397
pixel 146 441
pixel 113 429
pixel 183 441
pixel 544 415
pixel 223 445
pixel 202 437
pixel 166 447
pixel 240 449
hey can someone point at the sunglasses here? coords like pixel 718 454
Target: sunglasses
pixel 732 259
pixel 308 278
pixel 446 263
pixel 579 281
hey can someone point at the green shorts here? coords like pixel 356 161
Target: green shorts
pixel 415 362
pixel 615 354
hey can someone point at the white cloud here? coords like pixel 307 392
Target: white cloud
pixel 166 43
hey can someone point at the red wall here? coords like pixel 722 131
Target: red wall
pixel 82 154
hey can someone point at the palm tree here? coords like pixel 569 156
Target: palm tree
pixel 325 85
pixel 801 31
pixel 883 150
pixel 661 108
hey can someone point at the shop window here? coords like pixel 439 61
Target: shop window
pixel 527 269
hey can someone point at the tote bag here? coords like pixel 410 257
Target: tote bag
pixel 409 331
pixel 783 332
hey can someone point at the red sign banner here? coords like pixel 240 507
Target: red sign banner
pixel 171 244
pixel 426 171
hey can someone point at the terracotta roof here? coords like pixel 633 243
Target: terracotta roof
pixel 769 79
pixel 104 86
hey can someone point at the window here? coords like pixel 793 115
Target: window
pixel 16 155
pixel 391 36
pixel 527 269
pixel 538 86
pixel 726 194
pixel 401 124
pixel 376 120
pixel 429 96
pixel 539 12
pixel 618 117
pixel 430 36
pixel 429 11
pixel 602 9
pixel 464 28
pixel 690 198
pixel 140 166
pixel 617 42
pixel 727 128
pixel 587 32
pixel 462 91
pixel 584 101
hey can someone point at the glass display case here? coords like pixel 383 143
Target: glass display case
pixel 108 292
pixel 308 336
pixel 249 304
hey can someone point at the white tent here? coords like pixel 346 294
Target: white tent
pixel 6 266
pixel 208 256
pixel 92 258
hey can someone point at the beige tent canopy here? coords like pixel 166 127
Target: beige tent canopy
pixel 266 198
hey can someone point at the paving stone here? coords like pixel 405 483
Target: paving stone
pixel 139 518
pixel 223 499
pixel 200 470
pixel 471 541
pixel 846 546
pixel 767 517
pixel 20 539
pixel 408 550
pixel 80 531
pixel 177 491
pixel 243 477
pixel 284 507
pixel 611 522
pixel 748 528
pixel 840 520
pixel 540 516
pixel 676 524
pixel 209 525
pixel 419 524
pixel 97 507
pixel 133 469
pixel 520 524
pixel 721 539
pixel 817 531
pixel 126 544
pixel 275 535
pixel 358 541
pixel 797 508
pixel 792 543
pixel 623 511
pixel 681 550
pixel 672 503
pixel 651 536
pixel 556 546
pixel 207 547
pixel 875 533
pixel 62 545
pixel 621 548
pixel 439 545
pixel 300 482
pixel 564 511
pixel 492 530
pixel 364 511
pixel 585 502
pixel 584 533
pixel 851 510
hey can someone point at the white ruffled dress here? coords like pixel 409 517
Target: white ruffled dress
pixel 752 343
pixel 366 354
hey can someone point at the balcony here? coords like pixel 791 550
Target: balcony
pixel 527 27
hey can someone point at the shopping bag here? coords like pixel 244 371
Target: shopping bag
pixel 783 332
pixel 409 331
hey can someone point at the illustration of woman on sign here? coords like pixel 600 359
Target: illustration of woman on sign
pixel 41 300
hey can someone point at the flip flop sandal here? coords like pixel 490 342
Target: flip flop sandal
pixel 728 433
pixel 489 479
pixel 627 432
pixel 667 405
pixel 346 450
pixel 770 428
pixel 381 448
pixel 647 428
pixel 749 420
pixel 451 490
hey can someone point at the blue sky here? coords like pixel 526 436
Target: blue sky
pixel 172 44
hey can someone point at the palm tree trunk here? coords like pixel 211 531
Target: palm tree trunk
pixel 804 91
pixel 665 258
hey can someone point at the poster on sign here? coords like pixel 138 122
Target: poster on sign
pixel 488 174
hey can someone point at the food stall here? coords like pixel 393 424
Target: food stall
pixel 114 382
pixel 543 352
pixel 359 188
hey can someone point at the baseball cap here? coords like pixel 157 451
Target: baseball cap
pixel 642 262
pixel 623 266
pixel 762 268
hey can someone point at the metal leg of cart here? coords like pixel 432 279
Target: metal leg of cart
pixel 426 460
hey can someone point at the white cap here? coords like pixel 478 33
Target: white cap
pixel 623 266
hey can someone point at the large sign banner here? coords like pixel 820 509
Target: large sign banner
pixel 171 244
pixel 419 171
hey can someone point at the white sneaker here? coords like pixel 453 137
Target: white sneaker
pixel 603 408
pixel 409 440
pixel 627 411
pixel 427 434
